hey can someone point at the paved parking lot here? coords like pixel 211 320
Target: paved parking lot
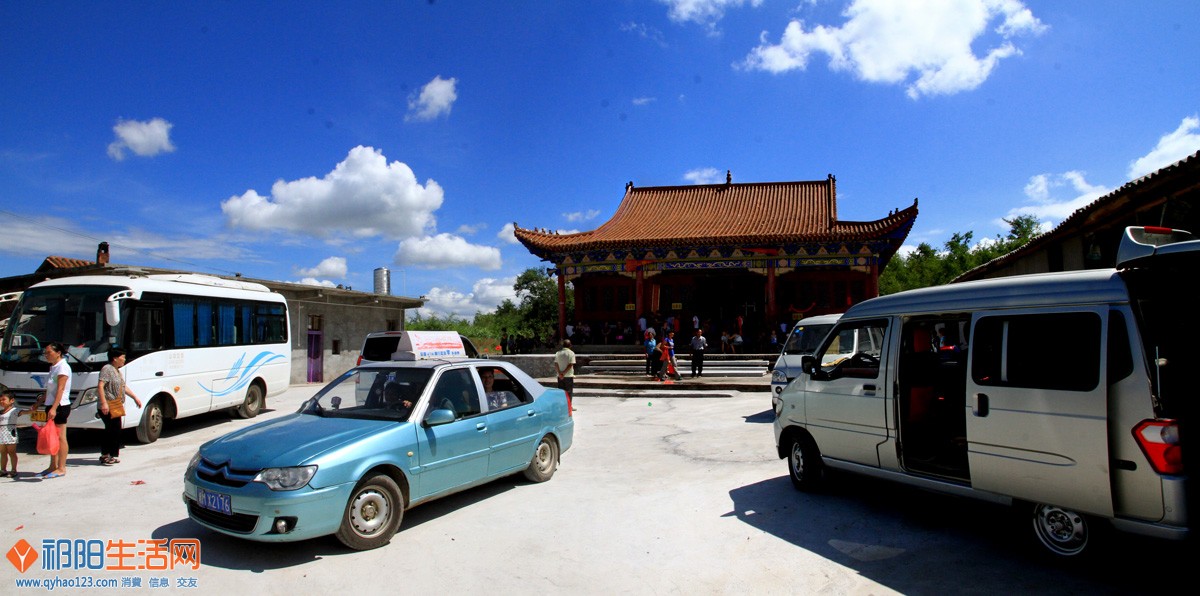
pixel 658 495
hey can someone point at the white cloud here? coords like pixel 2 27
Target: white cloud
pixel 446 250
pixel 642 101
pixel 364 196
pixel 581 216
pixel 703 176
pixel 1055 197
pixel 324 283
pixel 1172 147
pixel 485 296
pixel 703 12
pixel 925 45
pixel 645 32
pixel 435 99
pixel 506 234
pixel 145 139
pixel 470 229
pixel 334 267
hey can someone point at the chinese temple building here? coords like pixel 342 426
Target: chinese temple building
pixel 750 257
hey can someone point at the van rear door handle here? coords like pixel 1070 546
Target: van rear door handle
pixel 980 408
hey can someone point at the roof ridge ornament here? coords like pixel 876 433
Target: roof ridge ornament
pixel 728 177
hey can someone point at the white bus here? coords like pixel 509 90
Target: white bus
pixel 195 344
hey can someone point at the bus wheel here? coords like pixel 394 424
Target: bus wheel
pixel 151 425
pixel 253 403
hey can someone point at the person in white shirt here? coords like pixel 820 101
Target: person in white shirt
pixel 57 404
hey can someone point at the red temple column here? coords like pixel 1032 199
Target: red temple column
pixel 771 293
pixel 639 287
pixel 562 305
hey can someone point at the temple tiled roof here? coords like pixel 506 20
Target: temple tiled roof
pixel 770 213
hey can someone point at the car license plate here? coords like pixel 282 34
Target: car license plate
pixel 214 501
pixel 37 416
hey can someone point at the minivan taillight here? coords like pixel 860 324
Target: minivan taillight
pixel 1159 440
pixel 359 360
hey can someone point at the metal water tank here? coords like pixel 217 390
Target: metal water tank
pixel 383 281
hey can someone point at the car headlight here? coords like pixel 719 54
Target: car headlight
pixel 88 397
pixel 286 478
pixel 191 468
pixel 777 376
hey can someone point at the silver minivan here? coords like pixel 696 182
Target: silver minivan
pixel 1064 394
pixel 804 339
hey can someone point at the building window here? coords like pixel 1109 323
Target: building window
pixel 392 325
pixel 337 347
pixel 314 322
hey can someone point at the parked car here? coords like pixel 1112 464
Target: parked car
pixel 804 339
pixel 1063 394
pixel 380 439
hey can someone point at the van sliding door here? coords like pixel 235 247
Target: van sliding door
pixel 1036 407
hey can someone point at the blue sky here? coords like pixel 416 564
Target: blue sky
pixel 315 141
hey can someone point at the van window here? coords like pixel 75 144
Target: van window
pixel 853 350
pixel 1045 351
pixel 1120 355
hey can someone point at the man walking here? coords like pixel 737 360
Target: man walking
pixel 699 345
pixel 564 365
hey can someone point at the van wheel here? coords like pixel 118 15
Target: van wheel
pixel 804 463
pixel 151 424
pixel 253 404
pixel 1062 532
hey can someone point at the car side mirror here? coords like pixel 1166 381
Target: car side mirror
pixel 439 417
pixel 808 364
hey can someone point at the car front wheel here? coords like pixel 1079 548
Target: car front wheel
pixel 372 514
pixel 804 463
pixel 545 460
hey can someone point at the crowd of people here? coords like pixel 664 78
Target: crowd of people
pixel 56 403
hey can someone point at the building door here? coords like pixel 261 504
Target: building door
pixel 316 361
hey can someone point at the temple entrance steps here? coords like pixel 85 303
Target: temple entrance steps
pixel 715 365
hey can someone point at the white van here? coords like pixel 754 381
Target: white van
pixel 1054 392
pixel 804 339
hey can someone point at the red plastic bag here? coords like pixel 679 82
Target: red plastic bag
pixel 47 439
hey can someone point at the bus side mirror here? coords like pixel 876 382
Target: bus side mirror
pixel 112 313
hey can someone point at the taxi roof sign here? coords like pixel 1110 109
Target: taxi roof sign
pixel 426 345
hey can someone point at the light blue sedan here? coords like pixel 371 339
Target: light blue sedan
pixel 381 438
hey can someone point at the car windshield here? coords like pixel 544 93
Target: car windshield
pixel 370 393
pixel 805 339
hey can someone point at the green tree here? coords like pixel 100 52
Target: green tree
pixel 927 266
pixel 539 304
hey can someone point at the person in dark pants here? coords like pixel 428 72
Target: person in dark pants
pixel 111 405
pixel 699 345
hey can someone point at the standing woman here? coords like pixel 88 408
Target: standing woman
pixel 112 391
pixel 58 406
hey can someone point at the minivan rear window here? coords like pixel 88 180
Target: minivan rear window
pixel 1038 351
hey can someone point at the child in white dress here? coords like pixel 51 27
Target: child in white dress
pixel 8 434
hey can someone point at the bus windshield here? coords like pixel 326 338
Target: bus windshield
pixel 73 315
